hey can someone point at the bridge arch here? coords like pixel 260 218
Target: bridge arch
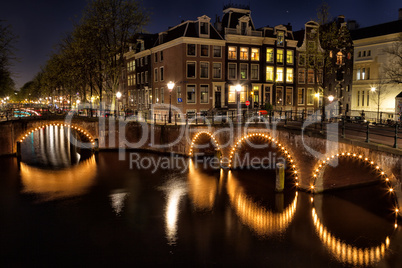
pixel 84 134
pixel 197 137
pixel 270 140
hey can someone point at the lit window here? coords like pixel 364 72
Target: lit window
pixel 279 96
pixel 289 56
pixel 270 73
pixel 279 74
pixel 244 53
pixel 255 54
pixel 270 55
pixel 232 51
pixel 289 75
pixel 339 58
pixel 281 39
pixel 358 74
pixel 310 96
pixel 310 76
pixel 279 55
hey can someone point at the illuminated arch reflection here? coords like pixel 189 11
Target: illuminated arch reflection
pixel 346 253
pixel 263 222
pixel 58 184
pixel 193 145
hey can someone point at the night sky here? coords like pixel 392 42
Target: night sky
pixel 40 24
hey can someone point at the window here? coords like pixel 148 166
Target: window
pixel 289 96
pixel 244 53
pixel 359 54
pixel 204 96
pixel 369 53
pixel 362 97
pixel 204 50
pixel 233 93
pixel 190 49
pixel 256 94
pixel 300 96
pixel 232 70
pixel 311 60
pixel 142 78
pixel 270 55
pixel 131 80
pixel 162 74
pixel 255 71
pixel 190 94
pixel 156 74
pixel 146 60
pixel 178 92
pixel 289 56
pixel 156 57
pixel 358 74
pixel 191 69
pixel 204 66
pixel 162 95
pixel 217 52
pixel 302 59
pixel 289 75
pixel 255 54
pixel 279 55
pixel 310 76
pixel 364 55
pixel 217 70
pixel 279 74
pixel 310 96
pixel 368 98
pixel 339 58
pixel 204 27
pixel 131 66
pixel 146 77
pixel 270 73
pixel 142 61
pixel 161 55
pixel 138 78
pixel 302 76
pixel 279 96
pixel 368 74
pixel 358 98
pixel 243 70
pixel 281 39
pixel 232 53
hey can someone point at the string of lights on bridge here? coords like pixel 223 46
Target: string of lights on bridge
pixel 82 131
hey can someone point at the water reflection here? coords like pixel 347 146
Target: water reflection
pixel 263 222
pixel 58 184
pixel 202 188
pixel 175 190
pixel 50 147
pixel 117 201
pixel 347 253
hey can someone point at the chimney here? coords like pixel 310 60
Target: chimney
pixel 400 14
pixel 341 19
pixel 352 25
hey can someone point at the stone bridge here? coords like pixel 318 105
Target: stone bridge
pixel 316 161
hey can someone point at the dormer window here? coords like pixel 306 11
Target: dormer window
pixel 243 28
pixel 280 39
pixel 203 24
pixel 204 28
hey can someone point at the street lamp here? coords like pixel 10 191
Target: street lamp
pixel 118 96
pixel 238 89
pixel 331 98
pixel 170 87
pixel 374 90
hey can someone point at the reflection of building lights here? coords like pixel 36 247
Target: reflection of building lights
pixel 117 201
pixel 175 191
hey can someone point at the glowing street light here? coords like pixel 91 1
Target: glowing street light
pixel 118 94
pixel 373 89
pixel 331 98
pixel 170 87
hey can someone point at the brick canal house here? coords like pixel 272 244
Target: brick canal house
pixel 217 67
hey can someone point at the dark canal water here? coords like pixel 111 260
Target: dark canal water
pixel 102 211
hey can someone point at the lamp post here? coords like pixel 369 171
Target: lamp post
pixel 118 96
pixel 374 89
pixel 238 89
pixel 170 87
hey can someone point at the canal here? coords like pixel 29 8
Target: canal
pixel 63 207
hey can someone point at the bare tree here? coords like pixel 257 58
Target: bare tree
pixel 378 93
pixel 393 68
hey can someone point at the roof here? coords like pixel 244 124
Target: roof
pixel 377 30
pixel 399 95
pixel 231 18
